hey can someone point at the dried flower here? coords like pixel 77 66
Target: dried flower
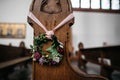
pixel 37 55
pixel 60 50
pixel 41 60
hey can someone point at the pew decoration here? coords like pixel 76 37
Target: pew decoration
pixel 50 56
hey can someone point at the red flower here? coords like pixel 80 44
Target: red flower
pixel 37 55
pixel 60 50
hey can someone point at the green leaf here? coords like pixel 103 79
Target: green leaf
pixel 43 53
pixel 53 52
pixel 50 49
pixel 31 46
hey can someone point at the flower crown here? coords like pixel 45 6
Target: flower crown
pixel 42 57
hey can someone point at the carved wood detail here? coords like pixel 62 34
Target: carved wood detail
pixel 51 6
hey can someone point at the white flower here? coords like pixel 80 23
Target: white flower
pixel 56 59
pixel 34 59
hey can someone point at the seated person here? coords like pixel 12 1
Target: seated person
pixel 81 61
pixel 27 51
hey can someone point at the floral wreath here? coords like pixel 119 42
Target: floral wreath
pixel 55 50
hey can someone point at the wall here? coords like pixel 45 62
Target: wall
pixel 95 28
pixel 15 11
pixel 90 28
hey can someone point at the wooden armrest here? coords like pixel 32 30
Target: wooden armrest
pixel 13 62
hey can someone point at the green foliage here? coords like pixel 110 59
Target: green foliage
pixel 54 55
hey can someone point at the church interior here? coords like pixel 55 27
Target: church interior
pixel 59 40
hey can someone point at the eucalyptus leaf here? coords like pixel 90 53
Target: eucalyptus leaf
pixel 50 49
pixel 31 46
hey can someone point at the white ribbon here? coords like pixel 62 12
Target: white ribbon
pixel 51 32
pixel 31 15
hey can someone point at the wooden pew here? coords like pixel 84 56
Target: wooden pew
pixel 49 14
pixel 10 57
pixel 107 57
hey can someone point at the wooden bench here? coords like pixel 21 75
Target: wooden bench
pixel 10 57
pixel 107 57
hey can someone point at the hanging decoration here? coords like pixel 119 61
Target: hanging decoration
pixel 55 51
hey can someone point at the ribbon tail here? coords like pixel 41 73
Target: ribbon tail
pixel 68 18
pixel 31 15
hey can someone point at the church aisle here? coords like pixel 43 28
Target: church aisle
pixel 21 73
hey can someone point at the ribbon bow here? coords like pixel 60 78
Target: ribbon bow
pixel 50 33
